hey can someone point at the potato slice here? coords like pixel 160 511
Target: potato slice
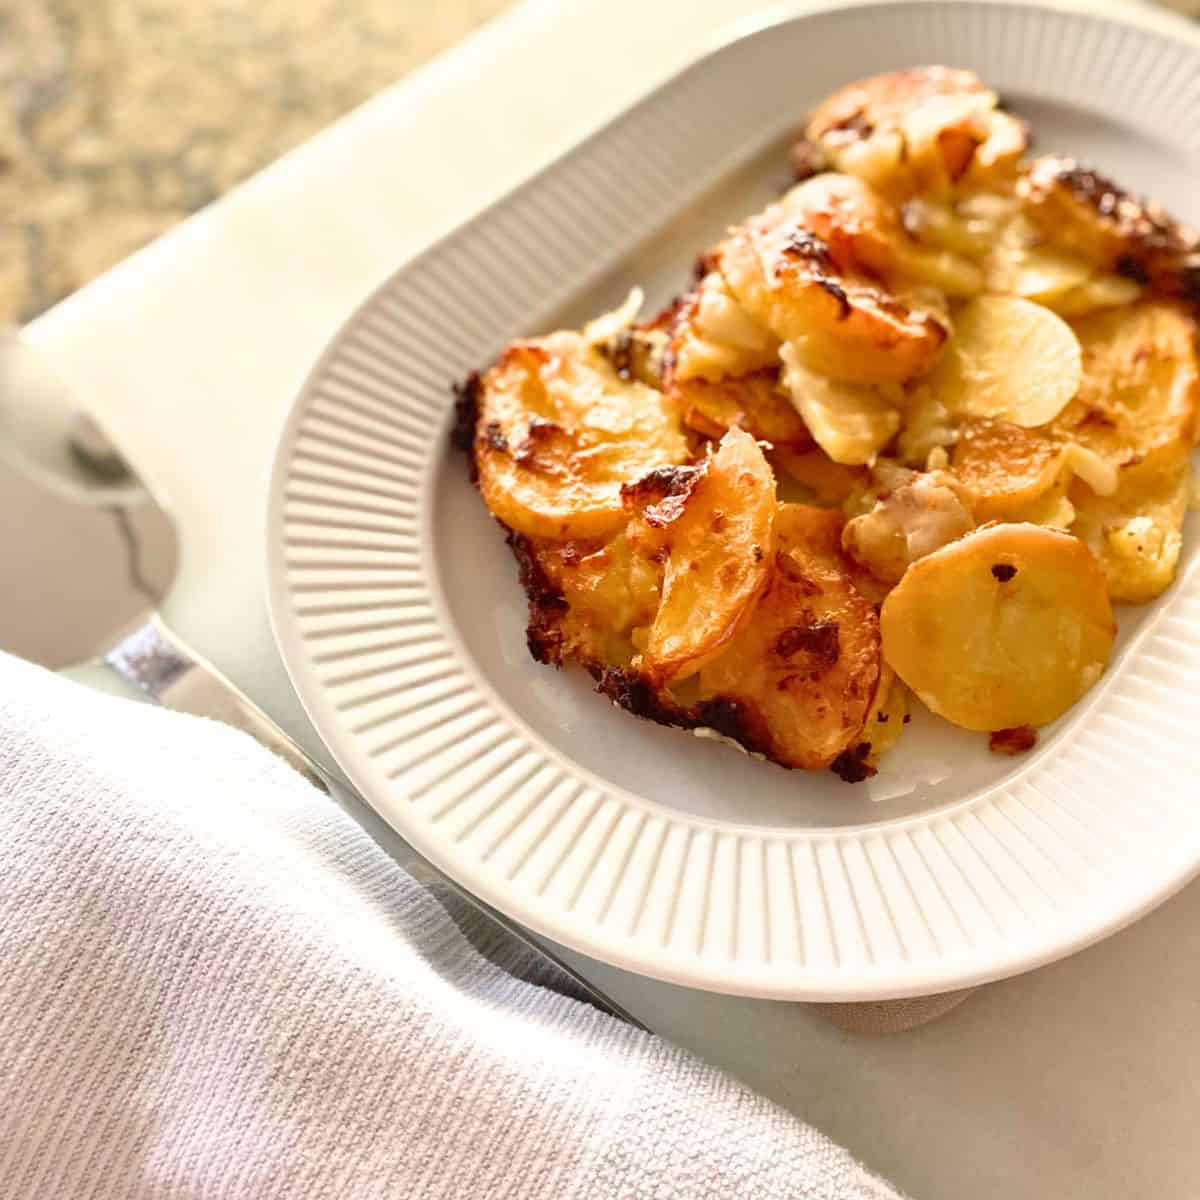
pixel 712 335
pixel 587 602
pixel 1008 626
pixel 713 534
pixel 926 129
pixel 559 433
pixel 886 720
pixel 1141 384
pixel 1137 533
pixel 1094 294
pixel 803 672
pixel 851 326
pixel 1091 216
pixel 755 403
pixel 865 232
pixel 1003 468
pixel 850 422
pixel 1009 359
pixel 826 483
pixel 1036 273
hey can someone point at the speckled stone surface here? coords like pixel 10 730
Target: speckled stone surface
pixel 119 117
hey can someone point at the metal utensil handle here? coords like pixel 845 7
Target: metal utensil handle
pixel 154 660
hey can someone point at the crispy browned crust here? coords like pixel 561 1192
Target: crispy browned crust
pixel 1013 741
pixel 1129 234
pixel 547 605
pixel 641 698
pixel 466 419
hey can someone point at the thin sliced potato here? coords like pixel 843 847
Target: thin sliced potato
pixel 850 422
pixel 885 722
pixel 926 130
pixel 1141 384
pixel 803 672
pixel 1009 359
pixel 1036 273
pixel 587 602
pixel 1096 293
pixel 1137 533
pixel 852 327
pixel 755 403
pixel 560 433
pixel 1004 468
pixel 1008 626
pixel 714 537
pixel 865 232
pixel 712 335
pixel 827 483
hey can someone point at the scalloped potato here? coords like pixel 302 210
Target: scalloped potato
pixel 1008 626
pixel 907 433
pixel 804 670
pixel 560 433
pixel 712 530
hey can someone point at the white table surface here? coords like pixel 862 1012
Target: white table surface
pixel 1081 1079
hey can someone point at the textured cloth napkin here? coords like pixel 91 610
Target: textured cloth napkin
pixel 215 983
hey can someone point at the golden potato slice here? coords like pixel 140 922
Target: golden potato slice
pixel 1003 468
pixel 970 227
pixel 1137 533
pixel 850 422
pixel 1140 387
pixel 1010 360
pixel 826 483
pixel 1036 273
pixel 586 601
pixel 559 433
pixel 1095 293
pixel 864 231
pixel 849 325
pixel 1008 626
pixel 927 130
pixel 1084 212
pixel 755 403
pixel 712 530
pixel 888 716
pixel 802 673
pixel 712 335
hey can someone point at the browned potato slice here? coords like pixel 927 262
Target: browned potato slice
pixel 1003 467
pixel 1008 626
pixel 587 602
pixel 851 422
pixel 560 432
pixel 1137 533
pixel 803 672
pixel 712 530
pixel 927 129
pixel 1140 387
pixel 1009 359
pixel 755 403
pixel 1082 211
pixel 864 231
pixel 847 324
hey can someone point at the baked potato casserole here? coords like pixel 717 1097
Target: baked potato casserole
pixel 909 434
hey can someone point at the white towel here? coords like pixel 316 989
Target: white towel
pixel 214 983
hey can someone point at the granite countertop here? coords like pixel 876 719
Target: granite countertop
pixel 120 117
